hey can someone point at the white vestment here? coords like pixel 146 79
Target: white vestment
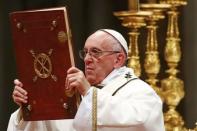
pixel 16 124
pixel 134 107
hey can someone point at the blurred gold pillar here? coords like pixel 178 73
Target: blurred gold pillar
pixel 152 61
pixel 133 19
pixel 172 86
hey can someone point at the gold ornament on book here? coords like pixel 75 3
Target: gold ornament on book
pixel 62 37
pixel 43 65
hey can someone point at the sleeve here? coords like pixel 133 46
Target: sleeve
pixel 82 120
pixel 15 120
pixel 16 123
pixel 130 107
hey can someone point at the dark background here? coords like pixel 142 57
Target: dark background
pixel 86 16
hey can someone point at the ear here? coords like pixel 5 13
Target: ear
pixel 120 60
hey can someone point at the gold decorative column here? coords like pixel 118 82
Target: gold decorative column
pixel 173 87
pixel 152 61
pixel 133 19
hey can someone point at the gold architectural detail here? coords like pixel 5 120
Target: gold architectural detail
pixel 172 88
pixel 133 20
pixel 152 61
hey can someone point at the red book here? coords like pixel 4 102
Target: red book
pixel 43 50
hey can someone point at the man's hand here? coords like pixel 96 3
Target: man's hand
pixel 76 79
pixel 19 95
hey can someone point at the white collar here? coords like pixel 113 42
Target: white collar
pixel 122 71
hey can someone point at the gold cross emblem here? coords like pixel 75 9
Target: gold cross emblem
pixel 43 65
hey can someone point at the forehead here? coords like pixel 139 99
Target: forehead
pixel 98 40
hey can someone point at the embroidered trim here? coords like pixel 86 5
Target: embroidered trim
pixel 123 86
pixel 94 110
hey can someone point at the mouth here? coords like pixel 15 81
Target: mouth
pixel 89 68
pixel 89 71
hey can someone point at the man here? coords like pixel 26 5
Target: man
pixel 122 102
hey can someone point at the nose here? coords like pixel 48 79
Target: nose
pixel 88 58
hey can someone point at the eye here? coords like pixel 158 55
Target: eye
pixel 96 52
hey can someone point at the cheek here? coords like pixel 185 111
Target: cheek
pixel 104 69
pixel 97 75
pixel 100 70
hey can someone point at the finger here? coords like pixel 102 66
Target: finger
pixel 69 81
pixel 68 76
pixel 16 93
pixel 20 100
pixel 72 70
pixel 75 76
pixel 17 82
pixel 66 84
pixel 75 85
pixel 72 86
pixel 20 89
pixel 71 75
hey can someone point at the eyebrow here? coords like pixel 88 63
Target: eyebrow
pixel 93 48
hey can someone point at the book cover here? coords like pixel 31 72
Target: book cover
pixel 43 50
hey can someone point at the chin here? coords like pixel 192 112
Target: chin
pixel 91 80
